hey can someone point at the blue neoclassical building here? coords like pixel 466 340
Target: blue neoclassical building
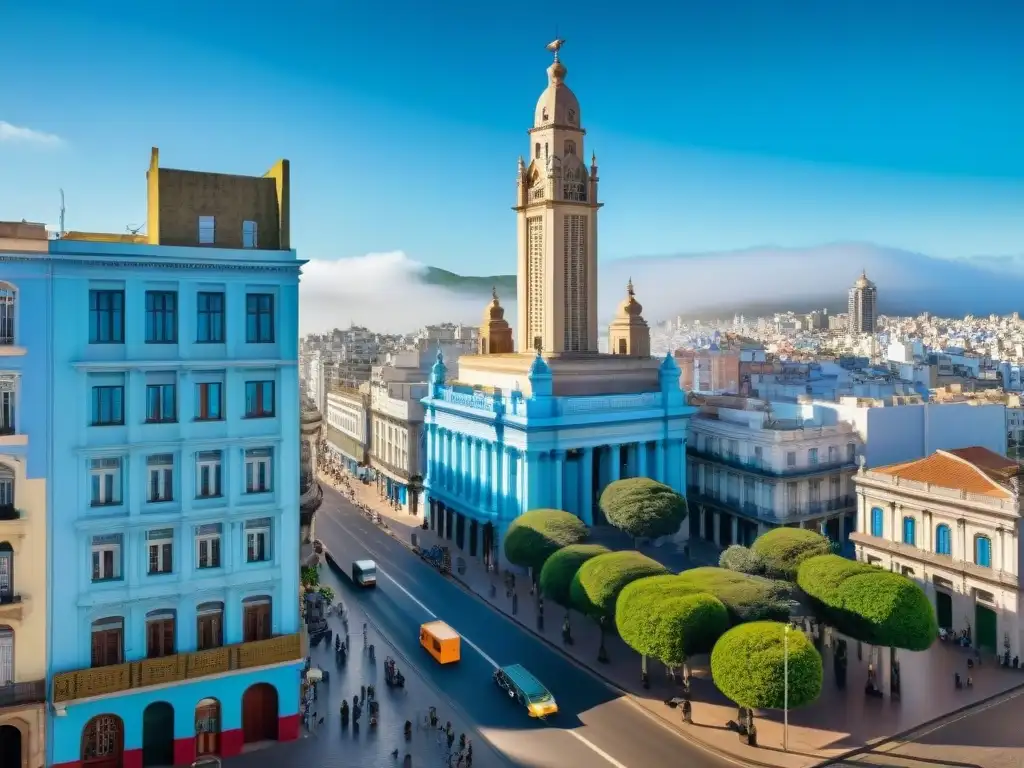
pixel 174 478
pixel 552 424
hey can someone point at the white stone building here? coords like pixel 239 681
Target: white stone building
pixel 952 522
pixel 752 467
pixel 347 427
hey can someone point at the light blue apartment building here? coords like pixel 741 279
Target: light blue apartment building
pixel 174 490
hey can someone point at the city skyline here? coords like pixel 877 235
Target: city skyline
pixel 744 137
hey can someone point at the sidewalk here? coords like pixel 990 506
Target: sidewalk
pixel 840 721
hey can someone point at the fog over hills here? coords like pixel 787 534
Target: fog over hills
pixel 391 292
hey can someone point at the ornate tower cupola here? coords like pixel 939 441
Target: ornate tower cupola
pixel 556 208
pixel 495 332
pixel 628 333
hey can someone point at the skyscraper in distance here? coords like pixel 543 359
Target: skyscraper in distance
pixel 862 314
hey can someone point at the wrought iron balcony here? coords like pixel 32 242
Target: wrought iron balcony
pixel 764 468
pixel 8 512
pixel 769 514
pixel 98 681
pixel 7 428
pixel 17 694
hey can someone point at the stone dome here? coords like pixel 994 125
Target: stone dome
pixel 630 307
pixel 557 105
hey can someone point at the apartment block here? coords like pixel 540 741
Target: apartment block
pixel 174 483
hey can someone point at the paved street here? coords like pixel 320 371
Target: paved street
pixel 331 746
pixel 595 726
pixel 989 736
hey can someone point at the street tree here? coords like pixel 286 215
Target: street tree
pixel 742 560
pixel 749 665
pixel 536 535
pixel 656 619
pixel 746 597
pixel 881 608
pixel 598 582
pixel 783 549
pixel 560 569
pixel 643 507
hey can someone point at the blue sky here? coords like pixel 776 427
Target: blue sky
pixel 718 125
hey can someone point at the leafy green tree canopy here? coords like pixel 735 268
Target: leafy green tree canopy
pixel 654 620
pixel 560 569
pixel 536 535
pixel 869 604
pixel 742 560
pixel 643 507
pixel 598 582
pixel 748 665
pixel 747 598
pixel 783 549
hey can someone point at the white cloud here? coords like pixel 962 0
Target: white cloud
pixel 383 291
pixel 18 134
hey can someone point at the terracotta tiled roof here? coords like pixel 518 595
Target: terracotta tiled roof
pixel 974 470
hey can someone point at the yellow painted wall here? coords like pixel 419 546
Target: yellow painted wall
pixel 28 538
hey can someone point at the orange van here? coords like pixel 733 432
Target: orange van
pixel 441 641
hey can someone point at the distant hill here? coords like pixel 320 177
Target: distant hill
pixel 505 284
pixel 764 280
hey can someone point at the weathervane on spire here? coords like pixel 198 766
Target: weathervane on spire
pixel 555 46
pixel 494 292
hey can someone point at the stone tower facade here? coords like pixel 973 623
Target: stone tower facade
pixel 556 211
pixel 628 333
pixel 495 336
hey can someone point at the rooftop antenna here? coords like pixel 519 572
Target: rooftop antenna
pixel 62 211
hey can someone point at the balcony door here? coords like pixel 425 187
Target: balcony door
pixel 6 656
pixel 210 626
pixel 107 642
pixel 159 635
pixel 256 619
pixel 6 572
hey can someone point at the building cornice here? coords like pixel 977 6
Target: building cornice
pixel 177 363
pixel 110 263
pixel 899 494
pixel 557 127
pixel 549 204
pixel 1002 579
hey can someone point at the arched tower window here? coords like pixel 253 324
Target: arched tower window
pixel 536 150
pixel 943 540
pixel 570 147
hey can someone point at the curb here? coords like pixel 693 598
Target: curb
pixel 902 735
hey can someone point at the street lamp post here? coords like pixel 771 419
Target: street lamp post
pixel 785 691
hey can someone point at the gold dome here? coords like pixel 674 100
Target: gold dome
pixel 630 307
pixel 494 311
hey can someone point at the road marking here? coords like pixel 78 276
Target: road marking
pixel 582 739
pixel 433 615
pixel 594 748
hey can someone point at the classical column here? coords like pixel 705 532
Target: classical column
pixel 587 491
pixel 659 464
pixel 558 470
pixel 641 468
pixel 527 471
pixel 515 478
pixel 862 510
pixel 928 534
pixel 736 529
pixel 1000 551
pixel 897 529
pixel 616 463
pixel 488 475
pixel 471 468
pixel 961 527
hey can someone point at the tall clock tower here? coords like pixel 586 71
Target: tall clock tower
pixel 556 213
